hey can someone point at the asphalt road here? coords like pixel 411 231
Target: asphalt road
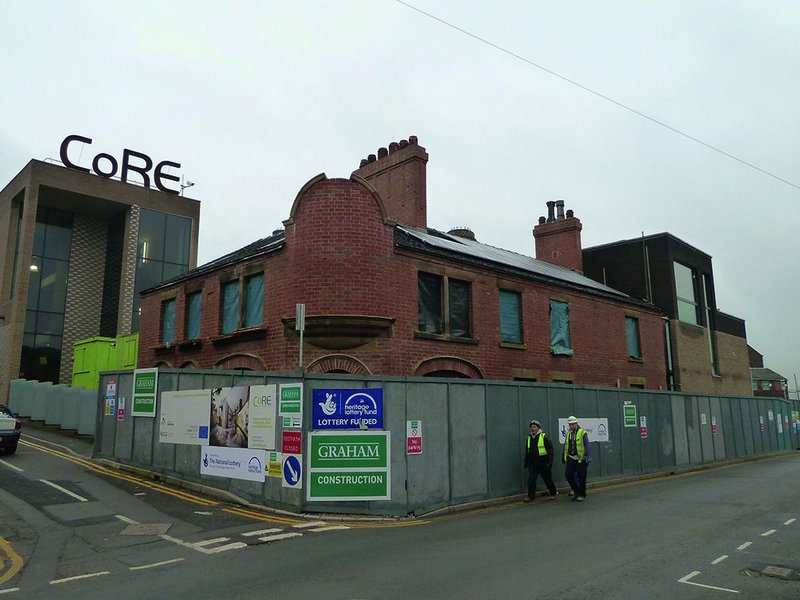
pixel 726 532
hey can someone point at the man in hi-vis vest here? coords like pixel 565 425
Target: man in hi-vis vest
pixel 576 457
pixel 539 460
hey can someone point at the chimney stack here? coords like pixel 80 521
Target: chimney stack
pixel 398 173
pixel 558 238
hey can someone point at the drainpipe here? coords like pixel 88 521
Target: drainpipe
pixel 668 352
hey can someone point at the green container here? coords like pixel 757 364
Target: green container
pixel 97 354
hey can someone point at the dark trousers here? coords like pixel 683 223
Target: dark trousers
pixel 543 469
pixel 576 476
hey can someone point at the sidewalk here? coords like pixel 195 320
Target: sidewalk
pixel 35 431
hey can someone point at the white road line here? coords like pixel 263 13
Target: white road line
pixel 158 564
pixel 281 536
pixel 262 532
pixel 719 560
pixel 789 522
pixel 309 524
pixel 65 490
pixel 768 532
pixel 16 468
pixel 686 579
pixel 218 549
pixel 77 577
pixel 745 545
pixel 9 590
pixel 318 529
pixel 125 519
pixel 209 542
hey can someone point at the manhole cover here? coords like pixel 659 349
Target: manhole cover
pixel 146 529
pixel 777 572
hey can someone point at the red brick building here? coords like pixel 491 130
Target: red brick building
pixel 384 294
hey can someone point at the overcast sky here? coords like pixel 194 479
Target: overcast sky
pixel 255 98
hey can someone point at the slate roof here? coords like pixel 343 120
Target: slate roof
pixel 763 374
pixel 443 245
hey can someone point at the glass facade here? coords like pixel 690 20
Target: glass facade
pixel 47 296
pixel 162 252
pixel 686 292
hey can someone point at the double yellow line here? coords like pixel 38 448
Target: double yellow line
pixel 91 466
pixel 10 558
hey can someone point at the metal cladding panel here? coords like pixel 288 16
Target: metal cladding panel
pixel 609 404
pixel 468 464
pixel 428 473
pixel 504 438
pixel 123 445
pixel 507 258
pixel 679 429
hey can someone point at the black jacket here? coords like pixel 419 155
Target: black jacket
pixel 532 450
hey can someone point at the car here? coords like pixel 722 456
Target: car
pixel 10 430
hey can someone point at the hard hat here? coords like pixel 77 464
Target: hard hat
pixel 572 419
pixel 535 422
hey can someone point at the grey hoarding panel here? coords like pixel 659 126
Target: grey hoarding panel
pixel 428 473
pixel 679 429
pixel 504 439
pixel 718 438
pixel 468 477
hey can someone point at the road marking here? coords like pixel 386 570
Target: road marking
pixel 745 545
pixel 719 560
pixel 200 546
pixel 686 579
pixel 318 529
pixel 125 519
pixel 16 468
pixel 232 546
pixel 64 490
pixel 209 542
pixel 158 564
pixel 260 516
pixel 790 521
pixel 281 536
pixel 77 577
pixel 768 532
pixel 262 531
pixel 309 524
pixel 15 559
pixel 9 590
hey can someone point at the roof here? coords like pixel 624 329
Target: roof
pixel 764 374
pixel 437 243
pixel 431 241
pixel 260 247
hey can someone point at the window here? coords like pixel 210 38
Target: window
pixel 559 328
pixel 443 305
pixel 193 314
pixel 238 315
pixel 632 337
pixel 710 329
pixel 168 321
pixel 510 317
pixel 686 293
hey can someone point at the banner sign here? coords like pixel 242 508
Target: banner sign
pixel 274 464
pixel 229 419
pixel 347 466
pixel 184 417
pixel 292 442
pixel 596 428
pixel 414 437
pixel 236 463
pixel 290 401
pixel 145 384
pixel 348 409
pixel 263 405
pixel 629 415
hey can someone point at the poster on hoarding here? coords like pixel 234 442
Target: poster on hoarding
pixel 184 417
pixel 263 405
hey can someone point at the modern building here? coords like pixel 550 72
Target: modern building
pixel 386 294
pixel 706 348
pixel 77 248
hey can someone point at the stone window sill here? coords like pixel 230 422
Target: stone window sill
pixel 251 333
pixel 424 335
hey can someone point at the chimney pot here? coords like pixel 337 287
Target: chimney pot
pixel 383 153
pixel 363 162
pixel 570 213
pixel 560 210
pixel 542 220
pixel 371 158
pixel 412 139
pixel 393 147
pixel 551 205
pixel 403 143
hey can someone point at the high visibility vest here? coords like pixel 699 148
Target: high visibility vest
pixel 542 449
pixel 578 443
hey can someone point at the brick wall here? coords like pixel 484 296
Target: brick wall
pixel 339 259
pixel 84 302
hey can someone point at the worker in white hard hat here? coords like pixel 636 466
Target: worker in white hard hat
pixel 576 458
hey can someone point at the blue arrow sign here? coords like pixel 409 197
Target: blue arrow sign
pixel 292 470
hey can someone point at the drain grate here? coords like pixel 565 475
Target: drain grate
pixel 777 571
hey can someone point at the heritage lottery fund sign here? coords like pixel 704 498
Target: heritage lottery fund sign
pixel 145 383
pixel 351 465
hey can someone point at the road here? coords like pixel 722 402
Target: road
pixel 725 532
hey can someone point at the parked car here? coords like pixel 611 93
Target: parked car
pixel 10 429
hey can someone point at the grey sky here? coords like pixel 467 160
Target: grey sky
pixel 255 98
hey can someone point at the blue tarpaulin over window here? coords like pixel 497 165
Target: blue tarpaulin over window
pixel 510 317
pixel 559 328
